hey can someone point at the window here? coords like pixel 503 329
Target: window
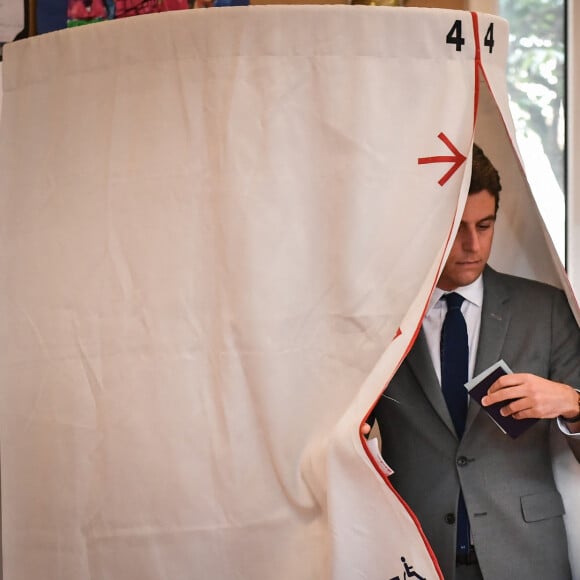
pixel 536 86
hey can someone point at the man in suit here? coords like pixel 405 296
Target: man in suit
pixel 487 503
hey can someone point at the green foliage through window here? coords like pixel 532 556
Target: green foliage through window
pixel 536 73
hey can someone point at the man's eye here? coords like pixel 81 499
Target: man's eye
pixel 484 226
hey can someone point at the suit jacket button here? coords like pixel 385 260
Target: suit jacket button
pixel 462 461
pixel 450 519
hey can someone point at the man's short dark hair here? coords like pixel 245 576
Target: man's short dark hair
pixel 484 175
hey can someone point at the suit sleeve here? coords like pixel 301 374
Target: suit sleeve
pixel 565 353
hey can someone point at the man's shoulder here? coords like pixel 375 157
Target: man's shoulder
pixel 518 284
pixel 529 297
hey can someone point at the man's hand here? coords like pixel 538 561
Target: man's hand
pixel 365 429
pixel 536 397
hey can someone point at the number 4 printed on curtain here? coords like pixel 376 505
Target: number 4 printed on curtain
pixel 455 36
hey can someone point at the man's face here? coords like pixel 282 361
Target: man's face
pixel 471 248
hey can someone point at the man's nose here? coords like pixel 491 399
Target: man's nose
pixel 470 240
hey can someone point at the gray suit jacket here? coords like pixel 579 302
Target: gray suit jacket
pixel 514 507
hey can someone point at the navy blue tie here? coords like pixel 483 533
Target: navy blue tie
pixel 455 361
pixel 454 374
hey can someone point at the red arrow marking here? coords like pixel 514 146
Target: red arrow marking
pixel 457 159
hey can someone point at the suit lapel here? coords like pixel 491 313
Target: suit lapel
pixel 420 362
pixel 495 319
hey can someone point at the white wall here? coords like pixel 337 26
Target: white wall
pixel 0 88
pixel 489 6
pixel 573 141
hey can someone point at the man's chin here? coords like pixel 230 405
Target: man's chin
pixel 461 277
pixel 468 277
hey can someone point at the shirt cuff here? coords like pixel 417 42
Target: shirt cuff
pixel 566 430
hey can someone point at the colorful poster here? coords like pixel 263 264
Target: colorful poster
pixel 86 11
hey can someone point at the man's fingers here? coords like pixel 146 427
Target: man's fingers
pixel 529 396
pixel 504 394
pixel 516 408
pixel 508 381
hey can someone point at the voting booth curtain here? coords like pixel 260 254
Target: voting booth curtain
pixel 219 231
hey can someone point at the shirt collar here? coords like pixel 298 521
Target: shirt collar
pixel 472 293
